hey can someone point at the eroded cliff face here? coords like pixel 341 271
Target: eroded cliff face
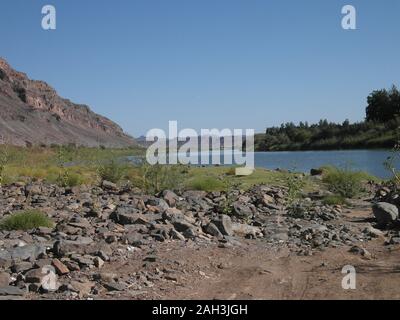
pixel 31 112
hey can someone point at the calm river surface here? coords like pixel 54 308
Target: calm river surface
pixel 365 160
pixel 371 161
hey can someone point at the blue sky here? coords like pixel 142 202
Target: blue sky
pixel 220 63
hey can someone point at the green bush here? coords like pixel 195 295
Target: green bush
pixel 204 183
pixel 391 164
pixel 344 182
pixel 4 158
pixel 295 184
pixel 334 200
pixel 111 171
pixel 155 178
pixel 26 220
pixel 69 179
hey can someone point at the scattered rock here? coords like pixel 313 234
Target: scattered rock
pixel 224 224
pixel 385 213
pixel 213 230
pixel 60 268
pixel 128 215
pixel 241 210
pixel 115 286
pixel 12 291
pixel 5 279
pixel 81 245
pixel 107 185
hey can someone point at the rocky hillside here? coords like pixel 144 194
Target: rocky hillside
pixel 31 113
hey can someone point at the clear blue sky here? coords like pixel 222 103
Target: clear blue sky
pixel 208 63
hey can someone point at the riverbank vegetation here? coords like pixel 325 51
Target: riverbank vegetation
pixel 379 130
pixel 72 166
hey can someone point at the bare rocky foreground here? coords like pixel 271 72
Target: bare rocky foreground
pixel 116 243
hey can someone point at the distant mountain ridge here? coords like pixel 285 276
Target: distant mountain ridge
pixel 32 113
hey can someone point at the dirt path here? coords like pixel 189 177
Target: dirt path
pixel 256 270
pixel 254 273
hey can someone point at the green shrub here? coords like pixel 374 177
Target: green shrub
pixel 26 220
pixel 4 158
pixel 295 183
pixel 111 171
pixel 69 179
pixel 391 164
pixel 334 200
pixel 206 183
pixel 155 178
pixel 345 182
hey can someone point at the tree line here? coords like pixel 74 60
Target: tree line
pixel 379 130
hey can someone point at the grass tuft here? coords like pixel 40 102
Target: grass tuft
pixel 25 220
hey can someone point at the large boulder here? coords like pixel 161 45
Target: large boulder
pixel 385 213
pixel 128 215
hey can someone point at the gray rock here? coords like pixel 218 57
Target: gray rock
pixel 170 197
pixel 224 224
pixel 385 213
pixel 176 235
pixel 115 286
pixel 82 245
pixel 5 279
pixel 361 251
pixel 21 266
pixel 373 232
pixel 29 252
pixel 182 225
pixel 159 203
pixel 44 278
pixel 83 260
pixel 245 230
pixel 5 259
pixel 11 291
pixel 34 276
pixel 213 230
pixel 33 189
pixel 107 185
pixel 173 214
pixel 241 210
pixel 133 238
pixel 128 215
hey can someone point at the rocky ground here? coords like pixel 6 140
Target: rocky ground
pixel 116 243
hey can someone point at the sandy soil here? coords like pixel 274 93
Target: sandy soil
pixel 256 270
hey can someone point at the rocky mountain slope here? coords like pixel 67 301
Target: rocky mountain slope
pixel 31 113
